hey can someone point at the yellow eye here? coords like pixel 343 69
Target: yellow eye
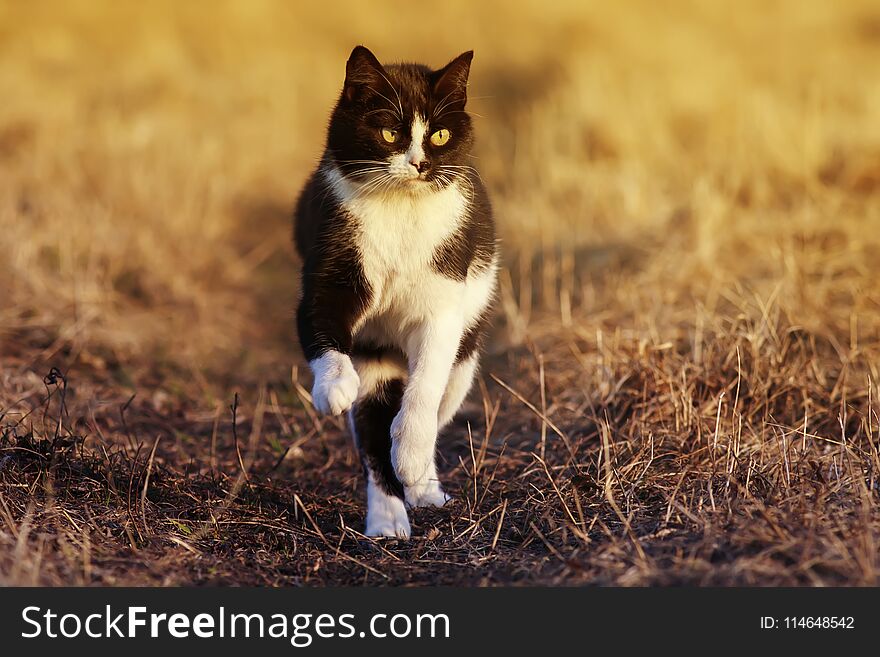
pixel 389 135
pixel 440 137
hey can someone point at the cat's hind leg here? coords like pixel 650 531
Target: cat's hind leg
pixel 370 418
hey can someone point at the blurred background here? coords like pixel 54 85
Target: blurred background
pixel 659 170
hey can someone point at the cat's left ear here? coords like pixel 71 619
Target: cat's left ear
pixel 450 82
pixel 363 74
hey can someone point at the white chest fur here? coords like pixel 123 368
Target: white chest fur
pixel 398 234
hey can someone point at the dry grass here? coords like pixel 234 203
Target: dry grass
pixel 682 384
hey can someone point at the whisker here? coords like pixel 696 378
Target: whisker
pixel 394 89
pixel 460 173
pixel 390 102
pixel 368 167
pixel 468 112
pixel 366 170
pixel 382 109
pixel 360 162
pixel 461 168
pixel 440 105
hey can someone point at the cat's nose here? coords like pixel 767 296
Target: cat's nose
pixel 421 165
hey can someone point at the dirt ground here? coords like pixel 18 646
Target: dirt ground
pixel 639 484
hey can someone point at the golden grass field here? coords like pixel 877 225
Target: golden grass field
pixel 682 382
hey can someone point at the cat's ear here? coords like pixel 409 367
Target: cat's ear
pixel 450 82
pixel 363 73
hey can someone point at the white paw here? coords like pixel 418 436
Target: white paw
pixel 388 528
pixel 386 515
pixel 427 493
pixel 412 448
pixel 336 383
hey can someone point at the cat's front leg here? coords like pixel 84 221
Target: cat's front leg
pixel 327 312
pixel 431 351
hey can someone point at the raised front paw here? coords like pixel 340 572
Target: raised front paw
pixel 412 448
pixel 336 383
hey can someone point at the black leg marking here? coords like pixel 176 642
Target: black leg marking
pixel 372 428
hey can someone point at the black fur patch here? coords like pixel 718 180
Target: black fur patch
pixel 365 349
pixel 472 340
pixel 372 427
pixel 335 291
pixel 473 246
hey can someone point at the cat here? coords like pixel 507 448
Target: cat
pixel 400 261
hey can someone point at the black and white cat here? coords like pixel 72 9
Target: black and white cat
pixel 400 259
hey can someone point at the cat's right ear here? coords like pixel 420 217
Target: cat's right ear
pixel 363 73
pixel 450 82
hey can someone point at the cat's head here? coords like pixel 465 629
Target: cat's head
pixel 401 126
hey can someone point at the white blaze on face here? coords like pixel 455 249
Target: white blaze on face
pixel 416 152
pixel 405 165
